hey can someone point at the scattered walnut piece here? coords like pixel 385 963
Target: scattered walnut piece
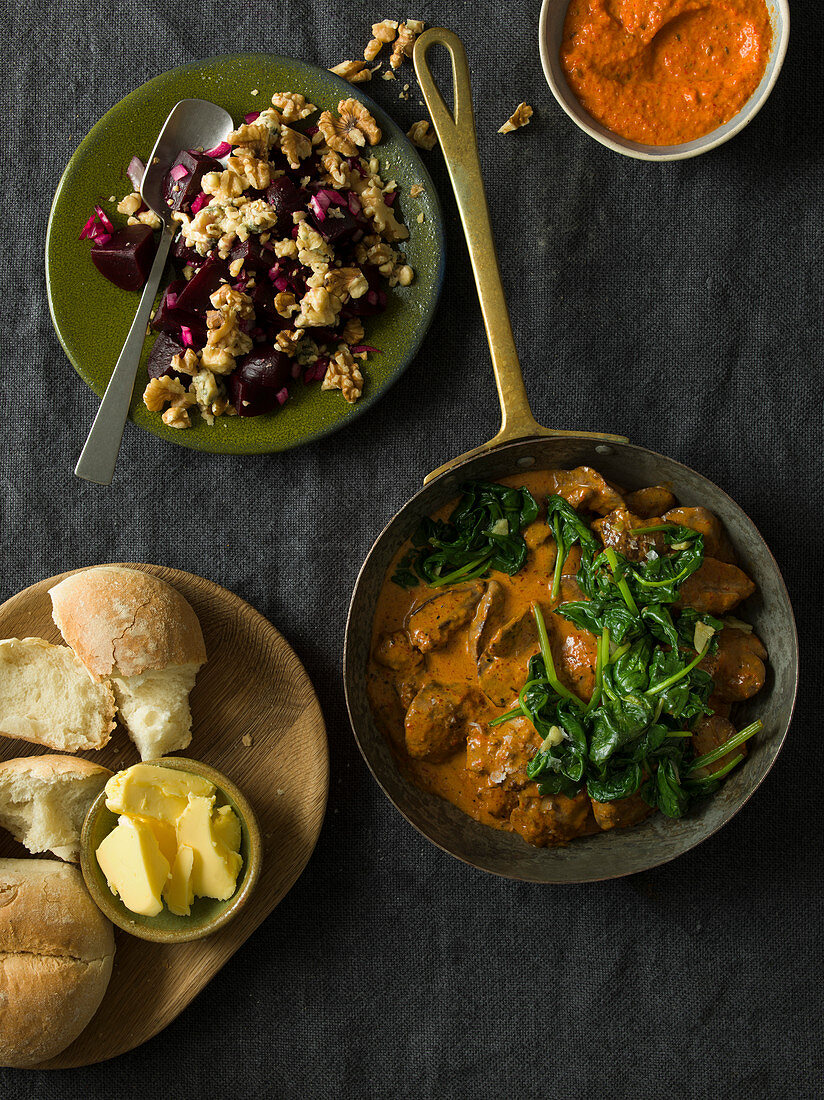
pixel 145 217
pixel 130 204
pixel 407 33
pixel 186 363
pixel 352 331
pixel 415 190
pixel 294 146
pixel 349 133
pixel 345 283
pixel 405 275
pixel 287 341
pixel 161 390
pixel 388 75
pixel 286 304
pixel 251 170
pixel 520 117
pixel 317 309
pixel 176 417
pixel 356 72
pixel 246 739
pixel 344 374
pixel 420 134
pixel 292 106
pixel 382 33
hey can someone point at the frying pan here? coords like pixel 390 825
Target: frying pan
pixel 523 444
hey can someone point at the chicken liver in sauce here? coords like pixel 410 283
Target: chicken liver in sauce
pixel 445 662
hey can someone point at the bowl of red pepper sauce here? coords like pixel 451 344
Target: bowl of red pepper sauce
pixel 663 79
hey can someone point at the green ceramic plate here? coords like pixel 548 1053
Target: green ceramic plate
pixel 92 316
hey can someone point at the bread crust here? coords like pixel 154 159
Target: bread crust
pixel 122 621
pixel 56 954
pixel 51 766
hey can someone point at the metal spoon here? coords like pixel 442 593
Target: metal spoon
pixel 192 124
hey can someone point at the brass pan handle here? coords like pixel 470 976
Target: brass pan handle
pixel 460 149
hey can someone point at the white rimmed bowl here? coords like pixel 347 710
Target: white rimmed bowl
pixel 553 13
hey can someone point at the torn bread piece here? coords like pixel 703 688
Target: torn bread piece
pixel 44 800
pixel 137 632
pixel 48 697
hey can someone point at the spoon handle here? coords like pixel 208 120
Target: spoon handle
pixel 456 132
pixel 99 455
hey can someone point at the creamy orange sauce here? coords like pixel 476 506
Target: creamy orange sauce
pixel 456 657
pixel 663 72
pixel 542 821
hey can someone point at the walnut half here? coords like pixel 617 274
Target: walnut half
pixel 349 132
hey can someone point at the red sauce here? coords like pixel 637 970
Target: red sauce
pixel 663 72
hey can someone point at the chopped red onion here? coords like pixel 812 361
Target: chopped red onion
pixel 186 336
pixel 171 300
pixel 357 348
pixel 282 283
pixel 89 228
pixel 179 172
pixel 251 116
pixel 390 197
pixel 102 238
pixel 201 201
pixel 353 202
pixel 104 218
pixel 281 396
pixel 219 150
pixel 135 172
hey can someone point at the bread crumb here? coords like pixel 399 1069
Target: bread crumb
pixel 247 740
pixel 388 75
pixel 415 190
pixel 420 218
pixel 254 91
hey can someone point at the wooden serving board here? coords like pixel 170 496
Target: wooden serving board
pixel 251 684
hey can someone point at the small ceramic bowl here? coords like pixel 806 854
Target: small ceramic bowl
pixel 208 914
pixel 553 13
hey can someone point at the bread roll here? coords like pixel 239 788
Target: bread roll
pixel 48 697
pixel 56 953
pixel 138 632
pixel 44 799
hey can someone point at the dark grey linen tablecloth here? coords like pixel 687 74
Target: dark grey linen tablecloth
pixel 677 304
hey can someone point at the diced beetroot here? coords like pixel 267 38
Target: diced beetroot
pixel 335 229
pixel 183 192
pixel 183 254
pixel 126 257
pixel 285 199
pixel 160 357
pixel 167 303
pixel 263 301
pixel 258 379
pixel 194 298
pixel 172 319
pixel 255 256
